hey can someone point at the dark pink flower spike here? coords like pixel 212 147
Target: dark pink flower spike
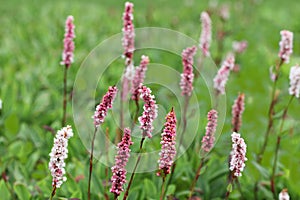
pixel 118 178
pixel 106 103
pixel 68 52
pixel 286 45
pixel 205 38
pixel 168 141
pixel 209 137
pixel 128 33
pixel 139 77
pixel 237 155
pixel 187 77
pixel 237 111
pixel 149 113
pixel 221 78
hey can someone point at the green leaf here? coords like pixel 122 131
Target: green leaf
pixel 150 188
pixel 11 125
pixel 171 189
pixel 21 191
pixel 4 192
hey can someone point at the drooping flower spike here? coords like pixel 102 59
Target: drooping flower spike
pixel 205 38
pixel 286 45
pixel 119 172
pixel 209 137
pixel 128 33
pixel 59 153
pixel 139 77
pixel 221 78
pixel 69 46
pixel 106 103
pixel 237 155
pixel 149 113
pixel 237 111
pixel 294 89
pixel 168 141
pixel 187 77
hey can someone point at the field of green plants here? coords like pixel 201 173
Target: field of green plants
pixel 31 45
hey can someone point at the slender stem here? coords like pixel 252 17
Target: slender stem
pixel 53 192
pixel 64 118
pixel 240 188
pixel 136 113
pixel 231 179
pixel 134 169
pixel 196 177
pixel 272 181
pixel 116 197
pixel 91 164
pixel 271 113
pixel 162 194
pixel 107 161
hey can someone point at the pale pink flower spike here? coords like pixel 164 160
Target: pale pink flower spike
pixel 69 46
pixel 168 141
pixel 286 45
pixel 187 77
pixel 237 155
pixel 118 178
pixel 294 89
pixel 209 137
pixel 205 38
pixel 106 103
pixel 59 153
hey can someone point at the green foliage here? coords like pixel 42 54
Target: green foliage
pixel 31 90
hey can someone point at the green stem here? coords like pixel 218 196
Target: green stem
pixel 196 178
pixel 53 192
pixel 272 181
pixel 134 169
pixel 64 118
pixel 163 187
pixel 91 164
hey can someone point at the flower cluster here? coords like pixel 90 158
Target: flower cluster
pixel 222 76
pixel 67 55
pixel 139 77
pixel 286 45
pixel 237 111
pixel 187 77
pixel 237 155
pixel 205 38
pixel 209 137
pixel 284 195
pixel 128 33
pixel 149 113
pixel 295 81
pixel 106 103
pixel 239 46
pixel 118 178
pixel 58 155
pixel 168 141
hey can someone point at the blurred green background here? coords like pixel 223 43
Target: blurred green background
pixel 31 35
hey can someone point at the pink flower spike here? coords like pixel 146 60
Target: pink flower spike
pixel 139 77
pixel 128 33
pixel 168 141
pixel 187 77
pixel 222 76
pixel 205 38
pixel 59 153
pixel 209 137
pixel 286 45
pixel 68 52
pixel 118 178
pixel 237 111
pixel 294 89
pixel 239 46
pixel 106 103
pixel 149 113
pixel 237 155
pixel 284 195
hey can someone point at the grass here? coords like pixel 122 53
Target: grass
pixel 31 89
